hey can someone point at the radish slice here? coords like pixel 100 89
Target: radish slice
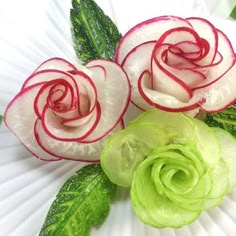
pixel 189 77
pixel 164 101
pixel 49 75
pixel 55 128
pixel 147 31
pixel 72 150
pixel 54 93
pixel 164 81
pixel 99 70
pixel 21 120
pixel 56 63
pixel 113 96
pixel 209 32
pixel 221 94
pixel 227 53
pixel 141 55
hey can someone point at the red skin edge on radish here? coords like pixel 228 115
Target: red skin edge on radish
pixel 51 59
pixel 79 139
pixel 5 121
pixel 233 62
pixel 125 107
pixel 182 109
pixel 98 66
pixel 41 91
pixel 141 24
pixel 213 28
pixel 159 42
pixel 66 158
pixel 89 80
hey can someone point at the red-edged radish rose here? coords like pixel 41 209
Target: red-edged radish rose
pixel 66 112
pixel 178 64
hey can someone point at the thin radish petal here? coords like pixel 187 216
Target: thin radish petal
pixel 87 101
pixel 164 101
pixel 56 63
pixel 165 82
pixel 84 119
pixel 141 56
pixel 147 31
pixel 113 96
pixel 49 75
pixel 24 130
pixel 87 88
pixel 221 94
pixel 226 50
pixel 53 93
pixel 180 59
pixel 178 35
pixel 206 30
pixel 55 128
pixel 98 69
pixel 190 77
pixel 72 150
pixel 185 49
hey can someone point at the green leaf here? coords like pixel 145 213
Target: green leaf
pixel 83 201
pixel 233 13
pixel 1 118
pixel 225 119
pixel 94 34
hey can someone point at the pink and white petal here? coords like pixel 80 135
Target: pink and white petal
pixel 221 93
pixel 49 75
pixel 113 97
pixel 83 120
pixel 52 93
pixel 72 150
pixel 206 30
pixel 87 88
pixel 226 51
pixel 164 101
pixel 56 63
pixel 136 61
pixel 179 60
pixel 177 35
pixel 99 70
pixel 147 31
pixel 166 79
pixel 20 119
pixel 190 77
pixel 54 127
pixel 186 49
pixel 166 82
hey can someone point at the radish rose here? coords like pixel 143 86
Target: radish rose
pixel 66 111
pixel 178 64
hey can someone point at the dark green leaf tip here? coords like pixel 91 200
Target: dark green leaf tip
pixel 94 34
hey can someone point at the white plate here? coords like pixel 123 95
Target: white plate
pixel 27 185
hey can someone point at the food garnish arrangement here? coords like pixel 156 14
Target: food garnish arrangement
pixel 177 157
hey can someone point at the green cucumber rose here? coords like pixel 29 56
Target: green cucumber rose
pixel 174 185
pixel 176 166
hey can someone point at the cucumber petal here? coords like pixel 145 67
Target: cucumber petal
pixel 151 205
pixel 125 150
pixel 228 152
